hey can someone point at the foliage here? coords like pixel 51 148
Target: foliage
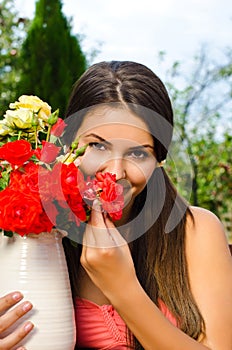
pixel 12 30
pixel 214 172
pixel 51 57
pixel 200 159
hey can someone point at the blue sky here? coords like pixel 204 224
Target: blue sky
pixel 138 30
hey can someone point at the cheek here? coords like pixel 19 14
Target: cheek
pixel 138 175
pixel 91 163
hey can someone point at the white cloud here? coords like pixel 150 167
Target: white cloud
pixel 137 30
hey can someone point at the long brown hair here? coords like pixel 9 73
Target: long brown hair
pixel 158 254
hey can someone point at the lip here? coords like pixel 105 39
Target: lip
pixel 127 190
pixel 125 183
pixel 127 194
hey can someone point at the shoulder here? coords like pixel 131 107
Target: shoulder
pixel 205 227
pixel 209 266
pixel 206 243
pixel 202 215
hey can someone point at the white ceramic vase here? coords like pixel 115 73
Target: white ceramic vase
pixel 36 266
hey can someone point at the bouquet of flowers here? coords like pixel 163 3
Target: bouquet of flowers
pixel 41 186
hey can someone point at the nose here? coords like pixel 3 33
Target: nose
pixel 116 166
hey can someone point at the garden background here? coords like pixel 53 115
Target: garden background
pixel 43 51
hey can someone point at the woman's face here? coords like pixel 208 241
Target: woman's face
pixel 119 143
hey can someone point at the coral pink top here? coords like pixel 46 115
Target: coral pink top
pixel 101 327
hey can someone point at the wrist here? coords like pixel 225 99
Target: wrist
pixel 126 294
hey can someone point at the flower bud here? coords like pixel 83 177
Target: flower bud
pixel 74 144
pixel 35 120
pixel 80 151
pixel 52 119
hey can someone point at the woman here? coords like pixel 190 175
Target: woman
pixel 161 276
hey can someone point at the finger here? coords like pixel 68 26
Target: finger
pixel 9 300
pixel 96 233
pixel 104 237
pixel 96 218
pixel 88 238
pixel 114 233
pixel 10 317
pixel 18 335
pixel 97 237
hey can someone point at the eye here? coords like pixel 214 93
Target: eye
pixel 97 146
pixel 138 154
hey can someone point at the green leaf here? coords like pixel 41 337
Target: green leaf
pixel 4 180
pixel 8 233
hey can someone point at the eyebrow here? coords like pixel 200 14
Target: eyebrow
pixel 98 137
pixel 107 142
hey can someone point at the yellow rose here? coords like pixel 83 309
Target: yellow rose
pixel 34 104
pixel 4 129
pixel 19 119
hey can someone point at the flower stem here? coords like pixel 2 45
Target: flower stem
pixel 48 133
pixel 73 146
pixel 36 139
pixel 67 156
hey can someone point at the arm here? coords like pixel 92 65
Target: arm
pixel 8 318
pixel 210 273
pixel 112 270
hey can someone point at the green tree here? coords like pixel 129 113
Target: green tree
pixel 12 31
pixel 200 158
pixel 51 56
pixel 214 171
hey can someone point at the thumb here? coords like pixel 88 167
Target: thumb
pixel 96 218
pixel 114 232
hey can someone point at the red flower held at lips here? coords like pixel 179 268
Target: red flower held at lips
pixel 110 189
pixel 16 152
pixel 110 193
pixel 111 196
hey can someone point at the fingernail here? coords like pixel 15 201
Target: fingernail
pixel 28 327
pixel 21 348
pixel 17 296
pixel 27 306
pixel 96 204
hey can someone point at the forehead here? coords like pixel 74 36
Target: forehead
pixel 114 122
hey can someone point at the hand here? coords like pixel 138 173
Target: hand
pixel 9 317
pixel 106 256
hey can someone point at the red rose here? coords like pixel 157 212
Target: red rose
pixel 58 128
pixel 76 204
pixel 16 152
pixel 71 182
pixel 46 182
pixel 31 176
pixel 20 212
pixel 25 178
pixel 71 178
pixel 110 194
pixel 89 192
pixel 17 182
pixel 37 152
pixel 42 222
pixel 114 209
pixel 110 190
pixel 48 153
